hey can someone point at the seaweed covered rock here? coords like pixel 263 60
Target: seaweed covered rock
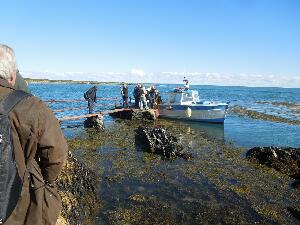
pixel 77 186
pixel 95 122
pixel 135 114
pixel 285 160
pixel 295 211
pixel 159 141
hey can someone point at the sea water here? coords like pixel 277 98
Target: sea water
pixel 241 131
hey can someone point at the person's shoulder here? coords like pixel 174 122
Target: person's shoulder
pixel 33 103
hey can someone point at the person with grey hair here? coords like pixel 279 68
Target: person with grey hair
pixel 38 148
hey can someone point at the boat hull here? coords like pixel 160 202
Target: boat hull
pixel 210 114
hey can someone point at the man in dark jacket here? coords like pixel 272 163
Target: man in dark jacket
pixel 40 151
pixel 91 97
pixel 137 96
pixel 124 93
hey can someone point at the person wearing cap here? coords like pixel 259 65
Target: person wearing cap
pixel 152 96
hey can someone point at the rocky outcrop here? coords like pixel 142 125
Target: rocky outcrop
pixel 295 211
pixel 77 186
pixel 95 122
pixel 285 160
pixel 135 114
pixel 241 111
pixel 159 141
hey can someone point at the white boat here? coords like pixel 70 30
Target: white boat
pixel 186 105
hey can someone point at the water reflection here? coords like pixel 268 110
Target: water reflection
pixel 210 130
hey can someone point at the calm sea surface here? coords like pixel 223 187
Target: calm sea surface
pixel 242 131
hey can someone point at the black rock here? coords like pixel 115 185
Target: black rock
pixel 285 160
pixel 134 114
pixel 95 122
pixel 295 211
pixel 159 141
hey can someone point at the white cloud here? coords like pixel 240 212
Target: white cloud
pixel 138 72
pixel 205 78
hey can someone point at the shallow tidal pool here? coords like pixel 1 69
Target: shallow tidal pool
pixel 217 186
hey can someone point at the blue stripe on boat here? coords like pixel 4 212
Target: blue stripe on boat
pixel 193 107
pixel 217 120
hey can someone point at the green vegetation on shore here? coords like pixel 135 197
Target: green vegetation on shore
pixel 217 186
pixel 31 80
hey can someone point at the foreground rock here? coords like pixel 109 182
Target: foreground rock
pixel 135 114
pixel 95 122
pixel 295 211
pixel 159 141
pixel 77 186
pixel 285 160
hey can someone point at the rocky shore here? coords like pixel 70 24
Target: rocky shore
pixel 216 186
pixel 135 114
pixel 159 141
pixel 285 160
pixel 78 187
pixel 241 111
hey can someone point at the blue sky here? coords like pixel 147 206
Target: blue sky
pixel 149 39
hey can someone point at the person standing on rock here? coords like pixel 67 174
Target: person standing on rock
pixel 91 97
pixel 124 93
pixel 152 97
pixel 143 100
pixel 37 149
pixel 136 95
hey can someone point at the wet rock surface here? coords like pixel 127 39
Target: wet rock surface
pixel 135 114
pixel 295 211
pixel 285 160
pixel 295 107
pixel 78 187
pixel 159 141
pixel 217 186
pixel 241 111
pixel 95 122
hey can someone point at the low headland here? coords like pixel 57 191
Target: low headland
pixel 32 80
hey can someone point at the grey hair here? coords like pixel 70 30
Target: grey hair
pixel 8 64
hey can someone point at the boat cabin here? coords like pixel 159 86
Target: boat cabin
pixel 183 97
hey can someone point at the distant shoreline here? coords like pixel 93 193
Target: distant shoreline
pixel 46 81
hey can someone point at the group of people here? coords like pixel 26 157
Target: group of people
pixel 143 98
pixel 146 98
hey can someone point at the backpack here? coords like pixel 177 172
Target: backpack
pixel 10 181
pixel 85 96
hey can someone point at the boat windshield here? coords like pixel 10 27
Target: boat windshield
pixel 187 97
pixel 174 97
pixel 196 96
